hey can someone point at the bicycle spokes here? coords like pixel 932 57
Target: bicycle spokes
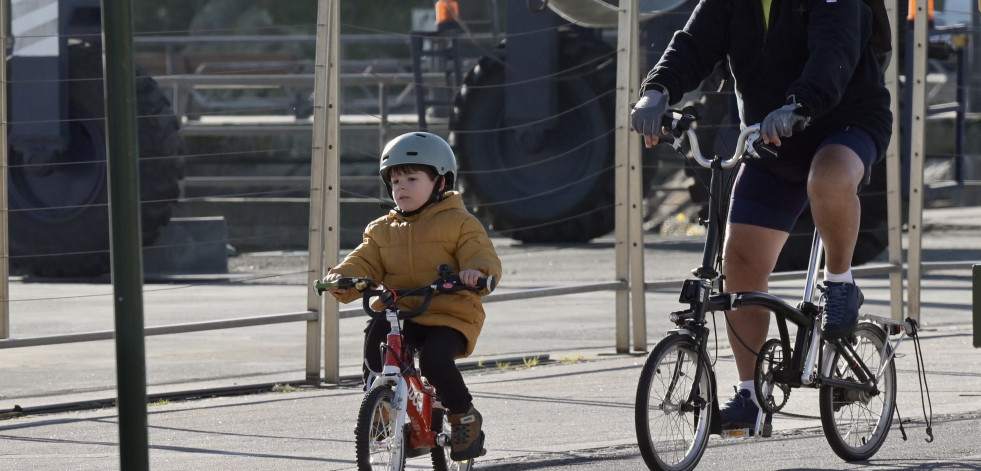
pixel 856 410
pixel 673 398
pixel 379 443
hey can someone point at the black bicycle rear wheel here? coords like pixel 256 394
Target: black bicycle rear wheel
pixel 856 423
pixel 671 432
pixel 377 432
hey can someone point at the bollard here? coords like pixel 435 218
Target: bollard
pixel 976 304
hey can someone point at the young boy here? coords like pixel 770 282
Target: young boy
pixel 430 226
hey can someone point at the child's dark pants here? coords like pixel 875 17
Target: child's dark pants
pixel 438 347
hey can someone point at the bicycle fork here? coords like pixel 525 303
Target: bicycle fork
pixel 413 400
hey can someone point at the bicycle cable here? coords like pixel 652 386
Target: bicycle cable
pixel 921 376
pixel 719 213
pixel 715 334
pixel 738 337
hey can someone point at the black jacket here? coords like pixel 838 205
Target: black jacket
pixel 815 51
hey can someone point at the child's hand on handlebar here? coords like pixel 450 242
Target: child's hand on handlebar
pixel 470 277
pixel 334 277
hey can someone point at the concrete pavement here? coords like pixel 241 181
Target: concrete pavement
pixel 568 406
pixel 577 399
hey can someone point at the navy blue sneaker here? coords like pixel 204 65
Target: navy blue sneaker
pixel 841 303
pixel 740 411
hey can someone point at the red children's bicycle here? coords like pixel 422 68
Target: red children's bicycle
pixel 401 415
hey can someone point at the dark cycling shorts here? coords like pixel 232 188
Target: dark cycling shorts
pixel 774 196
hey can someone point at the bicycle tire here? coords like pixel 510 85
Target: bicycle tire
pixel 671 438
pixel 441 454
pixel 376 431
pixel 856 424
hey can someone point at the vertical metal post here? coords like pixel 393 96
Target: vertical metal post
pixel 317 236
pixel 383 123
pixel 4 246
pixel 894 182
pixel 917 150
pixel 125 234
pixel 974 62
pixel 976 303
pixel 324 188
pixel 629 232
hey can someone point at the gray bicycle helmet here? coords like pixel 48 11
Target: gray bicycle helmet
pixel 419 148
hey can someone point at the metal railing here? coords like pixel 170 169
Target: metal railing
pixel 303 316
pixel 326 230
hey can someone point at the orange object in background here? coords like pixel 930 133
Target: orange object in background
pixel 447 14
pixel 912 9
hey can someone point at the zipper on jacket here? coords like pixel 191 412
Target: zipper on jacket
pixel 765 10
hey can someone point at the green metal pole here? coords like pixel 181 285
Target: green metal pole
pixel 126 250
pixel 976 304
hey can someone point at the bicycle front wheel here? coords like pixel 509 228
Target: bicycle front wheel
pixel 378 442
pixel 856 422
pixel 672 410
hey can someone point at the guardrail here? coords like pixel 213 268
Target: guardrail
pixel 302 316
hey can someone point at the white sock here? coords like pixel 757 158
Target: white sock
pixel 839 278
pixel 750 386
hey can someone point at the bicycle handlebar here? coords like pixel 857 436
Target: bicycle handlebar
pixel 447 282
pixel 680 124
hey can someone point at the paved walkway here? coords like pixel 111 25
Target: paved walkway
pixel 579 396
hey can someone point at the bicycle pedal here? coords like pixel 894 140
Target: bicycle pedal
pixel 737 432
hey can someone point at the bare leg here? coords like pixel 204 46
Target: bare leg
pixel 749 257
pixel 832 187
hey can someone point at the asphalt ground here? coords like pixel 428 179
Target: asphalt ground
pixel 545 374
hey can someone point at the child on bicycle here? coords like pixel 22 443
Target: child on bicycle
pixel 429 226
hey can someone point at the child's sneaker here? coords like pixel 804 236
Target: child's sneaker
pixel 841 303
pixel 740 411
pixel 467 440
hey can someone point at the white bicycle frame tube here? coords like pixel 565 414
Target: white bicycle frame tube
pixel 401 403
pixel 391 376
pixel 817 250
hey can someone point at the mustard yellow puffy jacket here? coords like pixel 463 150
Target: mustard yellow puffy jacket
pixel 404 252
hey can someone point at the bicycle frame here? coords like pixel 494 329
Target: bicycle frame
pixel 412 399
pixel 704 296
pixel 677 405
pixel 400 373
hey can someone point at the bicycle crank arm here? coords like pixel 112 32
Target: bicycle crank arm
pixel 849 385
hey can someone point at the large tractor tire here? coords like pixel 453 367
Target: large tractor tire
pixel 59 217
pixel 563 191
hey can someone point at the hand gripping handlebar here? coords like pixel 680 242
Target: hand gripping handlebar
pixel 448 282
